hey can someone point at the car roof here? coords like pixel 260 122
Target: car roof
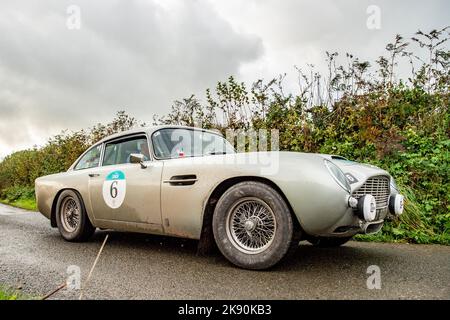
pixel 149 130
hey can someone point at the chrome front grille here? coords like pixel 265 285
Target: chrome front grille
pixel 378 187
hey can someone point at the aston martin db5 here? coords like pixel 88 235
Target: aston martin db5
pixel 191 183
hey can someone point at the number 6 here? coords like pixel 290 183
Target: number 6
pixel 113 189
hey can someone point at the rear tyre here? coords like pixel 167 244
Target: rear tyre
pixel 252 225
pixel 71 217
pixel 328 242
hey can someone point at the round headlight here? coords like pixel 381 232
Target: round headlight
pixel 338 175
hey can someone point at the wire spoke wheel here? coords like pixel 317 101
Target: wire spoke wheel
pixel 70 214
pixel 251 225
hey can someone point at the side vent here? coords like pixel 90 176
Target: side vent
pixel 183 180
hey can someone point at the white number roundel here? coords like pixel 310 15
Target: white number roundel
pixel 114 189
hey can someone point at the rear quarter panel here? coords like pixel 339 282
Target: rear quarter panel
pixel 48 187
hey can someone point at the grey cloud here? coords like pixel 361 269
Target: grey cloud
pixel 128 54
pixel 297 33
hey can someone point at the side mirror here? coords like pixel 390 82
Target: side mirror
pixel 138 158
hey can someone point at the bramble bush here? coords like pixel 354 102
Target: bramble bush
pixel 399 125
pixel 357 110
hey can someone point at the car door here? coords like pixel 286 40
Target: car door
pixel 187 179
pixel 124 191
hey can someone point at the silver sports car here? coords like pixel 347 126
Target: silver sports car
pixel 189 182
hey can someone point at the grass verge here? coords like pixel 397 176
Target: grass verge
pixel 11 294
pixel 19 196
pixel 442 239
pixel 27 204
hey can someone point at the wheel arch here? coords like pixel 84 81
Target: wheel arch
pixel 207 243
pixel 55 202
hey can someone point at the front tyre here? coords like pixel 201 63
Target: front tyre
pixel 71 217
pixel 328 242
pixel 252 225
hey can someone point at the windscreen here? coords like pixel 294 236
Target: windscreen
pixel 177 143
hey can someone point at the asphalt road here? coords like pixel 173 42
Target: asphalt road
pixel 35 258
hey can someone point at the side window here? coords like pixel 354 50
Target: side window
pixel 119 152
pixel 91 159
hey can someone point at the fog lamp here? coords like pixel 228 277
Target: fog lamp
pixel 396 204
pixel 367 207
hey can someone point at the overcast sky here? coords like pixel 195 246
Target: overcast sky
pixel 140 56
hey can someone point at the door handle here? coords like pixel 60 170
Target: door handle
pixel 92 175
